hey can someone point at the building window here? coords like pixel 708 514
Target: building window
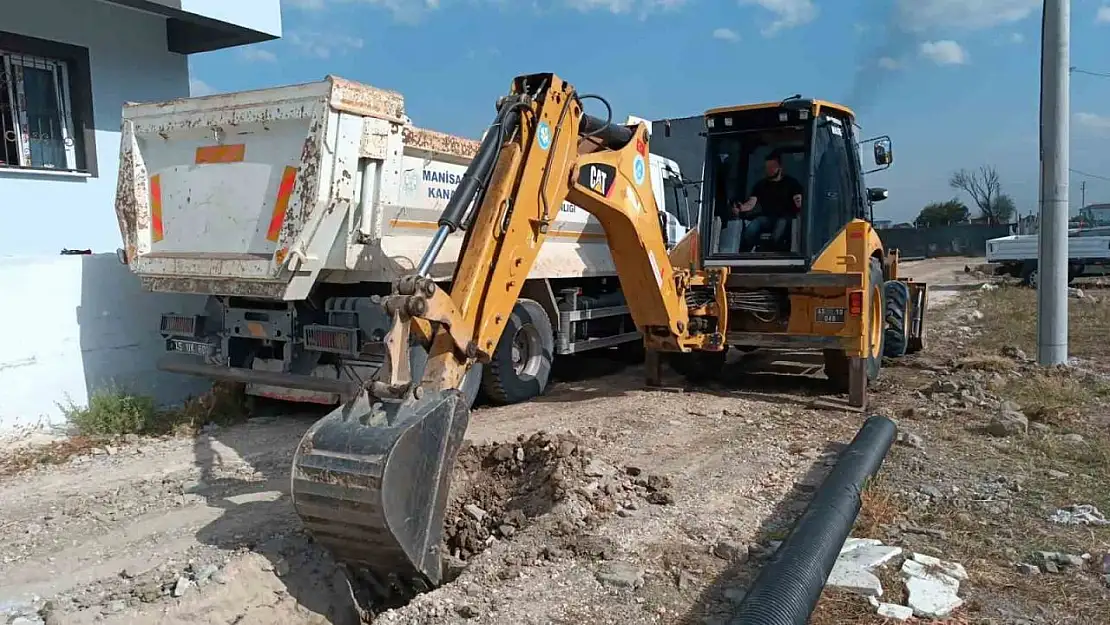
pixel 45 108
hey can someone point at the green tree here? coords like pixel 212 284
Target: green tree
pixel 942 214
pixel 1002 209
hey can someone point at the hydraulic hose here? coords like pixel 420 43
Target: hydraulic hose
pixel 790 584
pixel 461 208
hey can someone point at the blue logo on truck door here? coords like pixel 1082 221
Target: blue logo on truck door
pixel 543 136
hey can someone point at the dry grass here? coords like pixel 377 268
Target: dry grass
pixel 1011 314
pixel 880 506
pixel 1054 469
pixel 1056 397
pixel 1058 469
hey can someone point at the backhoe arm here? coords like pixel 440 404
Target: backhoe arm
pixel 371 479
pixel 550 151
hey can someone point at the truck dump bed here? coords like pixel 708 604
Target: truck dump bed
pixel 263 193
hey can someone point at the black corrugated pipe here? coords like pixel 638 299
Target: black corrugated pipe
pixel 788 587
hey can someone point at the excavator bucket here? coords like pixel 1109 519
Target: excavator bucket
pixel 371 481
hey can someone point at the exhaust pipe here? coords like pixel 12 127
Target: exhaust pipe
pixel 790 584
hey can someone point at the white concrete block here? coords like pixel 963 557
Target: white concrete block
pixel 895 611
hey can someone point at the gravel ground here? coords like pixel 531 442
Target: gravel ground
pixel 601 502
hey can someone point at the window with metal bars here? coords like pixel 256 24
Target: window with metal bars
pixel 45 108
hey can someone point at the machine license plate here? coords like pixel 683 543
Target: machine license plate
pixel 830 315
pixel 193 348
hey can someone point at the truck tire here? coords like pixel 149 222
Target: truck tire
pixel 897 325
pixel 521 363
pixel 1029 274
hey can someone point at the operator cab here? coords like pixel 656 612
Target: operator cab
pixel 781 150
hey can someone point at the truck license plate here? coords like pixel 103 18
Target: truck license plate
pixel 193 348
pixel 830 315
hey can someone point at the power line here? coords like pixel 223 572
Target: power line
pixel 1095 176
pixel 1088 72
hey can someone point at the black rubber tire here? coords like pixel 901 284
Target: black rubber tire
pixel 500 380
pixel 897 305
pixel 698 367
pixel 472 383
pixel 875 363
pixel 1029 274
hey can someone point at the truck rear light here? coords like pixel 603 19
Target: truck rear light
pixel 855 303
pixel 331 339
pixel 182 325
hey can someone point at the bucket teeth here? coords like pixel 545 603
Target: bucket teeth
pixel 370 484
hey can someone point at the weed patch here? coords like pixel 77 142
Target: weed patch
pixel 1010 320
pixel 112 412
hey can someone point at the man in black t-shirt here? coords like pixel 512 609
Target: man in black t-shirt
pixel 780 199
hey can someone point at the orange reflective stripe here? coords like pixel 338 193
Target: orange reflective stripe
pixel 156 208
pixel 211 154
pixel 285 192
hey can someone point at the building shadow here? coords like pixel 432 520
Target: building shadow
pixel 119 337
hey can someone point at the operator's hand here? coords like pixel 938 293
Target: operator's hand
pixel 745 207
pixel 798 201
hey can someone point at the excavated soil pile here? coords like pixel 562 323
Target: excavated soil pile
pixel 503 488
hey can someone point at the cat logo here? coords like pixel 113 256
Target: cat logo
pixel 598 178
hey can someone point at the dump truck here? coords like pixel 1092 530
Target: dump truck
pixel 371 480
pixel 293 210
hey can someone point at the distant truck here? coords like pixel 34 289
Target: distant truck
pixel 1017 255
pixel 294 208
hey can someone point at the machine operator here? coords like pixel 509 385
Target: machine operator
pixel 779 196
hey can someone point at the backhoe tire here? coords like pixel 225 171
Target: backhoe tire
pixel 897 323
pixel 875 353
pixel 521 364
pixel 837 363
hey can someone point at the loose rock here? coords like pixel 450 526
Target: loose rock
pixel 1008 423
pixel 620 574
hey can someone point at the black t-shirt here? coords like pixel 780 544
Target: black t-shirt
pixel 776 197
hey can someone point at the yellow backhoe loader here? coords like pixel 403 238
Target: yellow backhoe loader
pixel 371 479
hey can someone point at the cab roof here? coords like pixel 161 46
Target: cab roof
pixel 814 105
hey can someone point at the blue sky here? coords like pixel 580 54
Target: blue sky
pixel 954 82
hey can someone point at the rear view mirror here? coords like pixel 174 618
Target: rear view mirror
pixel 884 156
pixel 877 194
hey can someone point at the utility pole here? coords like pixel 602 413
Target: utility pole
pixel 1052 272
pixel 1083 195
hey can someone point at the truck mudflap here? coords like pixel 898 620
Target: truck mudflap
pixel 346 389
pixel 371 482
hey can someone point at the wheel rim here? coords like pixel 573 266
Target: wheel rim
pixel 1033 278
pixel 527 352
pixel 876 321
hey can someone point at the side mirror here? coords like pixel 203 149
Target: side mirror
pixel 877 194
pixel 883 154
